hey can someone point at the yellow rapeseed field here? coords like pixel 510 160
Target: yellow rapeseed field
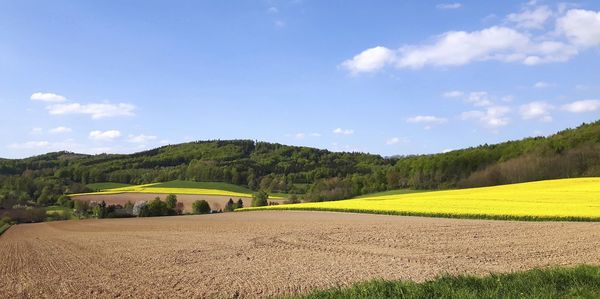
pixel 147 189
pixel 565 199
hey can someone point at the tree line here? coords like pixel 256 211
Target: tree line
pixel 314 174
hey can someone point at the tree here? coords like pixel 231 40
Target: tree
pixel 140 208
pixel 201 207
pixel 100 210
pixel 64 201
pixel 260 199
pixel 158 207
pixel 81 207
pixel 171 201
pixel 229 207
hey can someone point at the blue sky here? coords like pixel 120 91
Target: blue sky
pixel 386 77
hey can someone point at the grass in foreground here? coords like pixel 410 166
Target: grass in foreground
pixel 183 187
pixel 566 199
pixel 579 282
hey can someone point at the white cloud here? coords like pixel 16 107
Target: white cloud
pixel 280 24
pixel 141 138
pixel 395 140
pixel 536 110
pixel 453 94
pixel 582 106
pixel 448 5
pixel 491 117
pixel 273 10
pixel 369 60
pixel 341 131
pixel 428 119
pixel 479 98
pixel 541 85
pixel 104 135
pixel 47 97
pixel 96 110
pixel 531 18
pixel 582 27
pixel 575 30
pixel 315 134
pixel 59 130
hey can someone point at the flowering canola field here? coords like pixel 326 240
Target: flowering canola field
pixel 564 199
pixel 157 188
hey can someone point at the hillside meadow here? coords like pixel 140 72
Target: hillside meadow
pixel 565 199
pixel 179 187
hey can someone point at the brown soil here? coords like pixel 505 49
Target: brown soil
pixel 215 202
pixel 259 254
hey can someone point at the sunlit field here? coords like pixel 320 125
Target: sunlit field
pixel 181 187
pixel 565 199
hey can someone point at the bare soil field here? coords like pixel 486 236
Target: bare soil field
pixel 215 202
pixel 260 254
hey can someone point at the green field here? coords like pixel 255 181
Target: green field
pixel 391 192
pixel 183 187
pixel 565 199
pixel 4 227
pixel 580 282
pixel 104 186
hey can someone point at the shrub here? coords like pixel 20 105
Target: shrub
pixel 171 201
pixel 260 199
pixel 201 207
pixel 158 207
pixel 239 204
pixel 230 206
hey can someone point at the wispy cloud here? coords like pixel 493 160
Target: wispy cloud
pixel 453 94
pixel 395 140
pixel 341 131
pixel 492 117
pixel 536 110
pixel 427 119
pixel 582 106
pixel 47 97
pixel 446 6
pixel 60 130
pixel 104 135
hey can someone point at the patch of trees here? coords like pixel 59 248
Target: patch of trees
pixel 232 206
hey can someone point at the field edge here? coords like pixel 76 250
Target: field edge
pixel 552 282
pixel 430 215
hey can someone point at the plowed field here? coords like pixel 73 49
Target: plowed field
pixel 258 254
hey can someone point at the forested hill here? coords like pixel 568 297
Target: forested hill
pixel 321 174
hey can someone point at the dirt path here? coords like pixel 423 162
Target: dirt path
pixel 258 254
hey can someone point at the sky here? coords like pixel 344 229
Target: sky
pixel 384 77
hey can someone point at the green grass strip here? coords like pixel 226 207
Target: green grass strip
pixel 435 215
pixel 4 228
pixel 578 282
